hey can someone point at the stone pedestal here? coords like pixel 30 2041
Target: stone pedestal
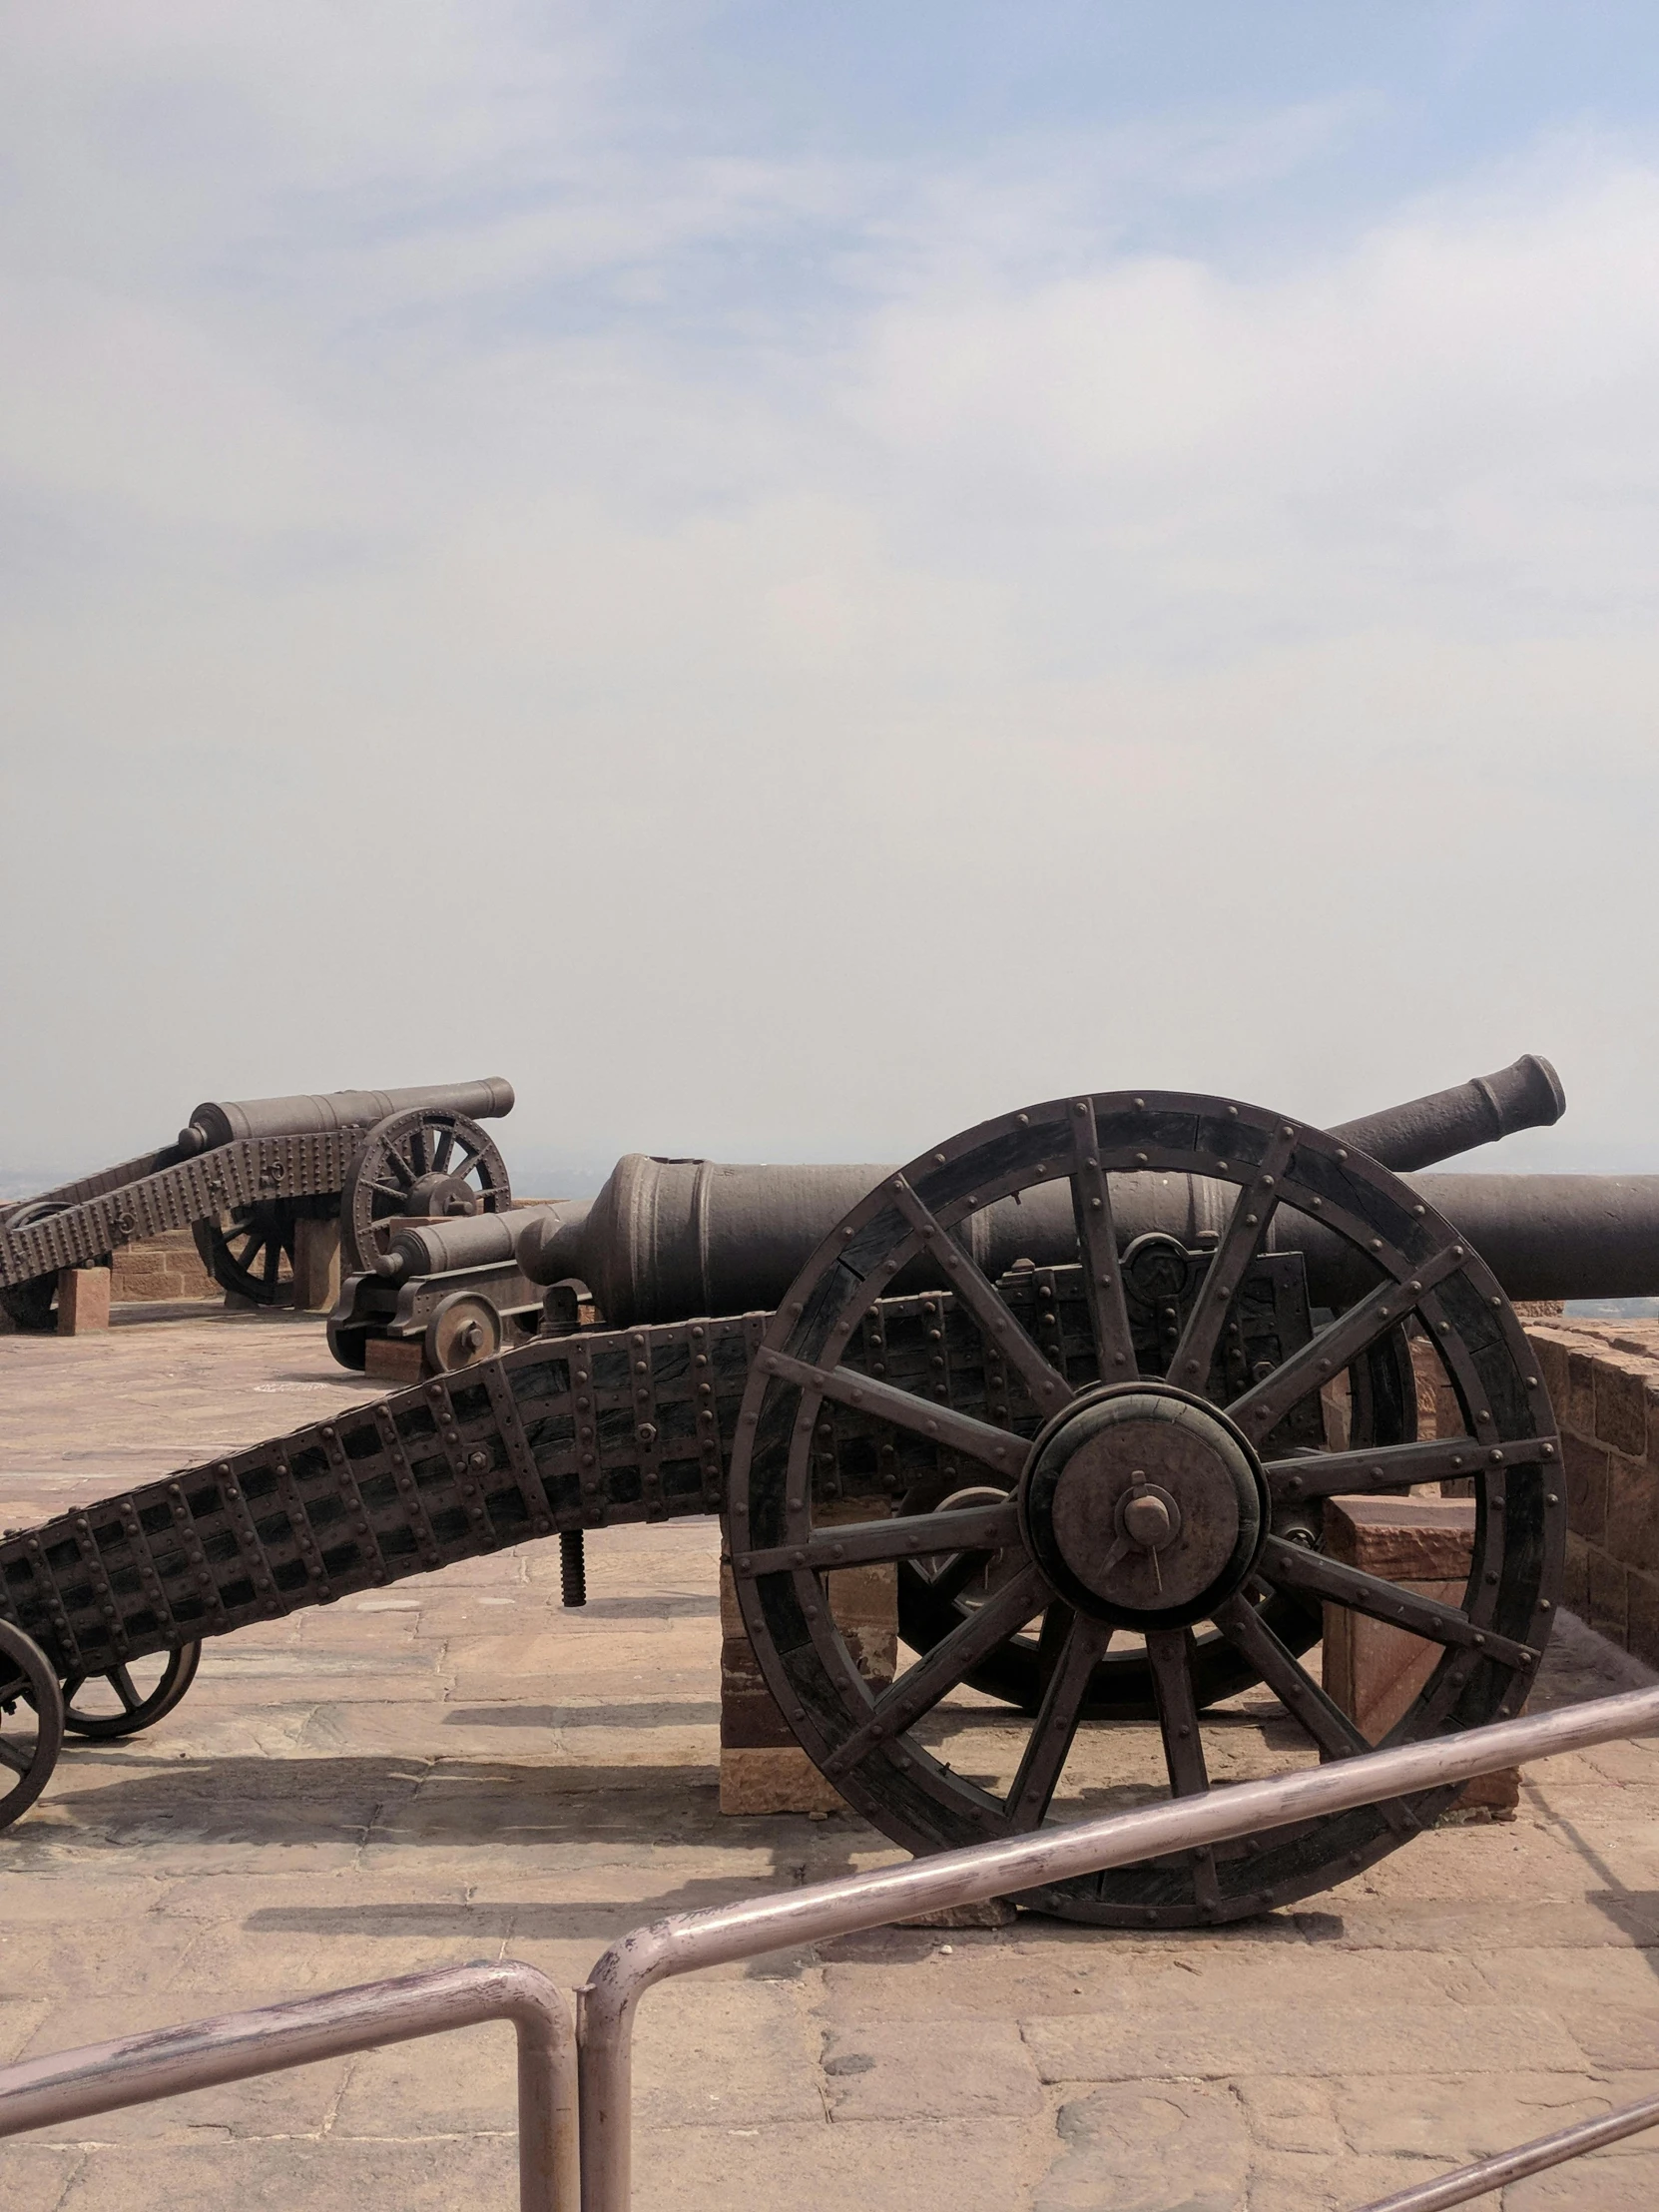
pixel 83 1299
pixel 1375 1671
pixel 316 1266
pixel 395 1359
pixel 762 1769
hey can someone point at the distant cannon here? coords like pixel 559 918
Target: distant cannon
pixel 1099 1477
pixel 242 1173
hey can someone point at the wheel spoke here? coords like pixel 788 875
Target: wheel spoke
pixel 973 1529
pixel 400 1167
pixel 272 1263
pixel 1242 1240
pixel 1260 1409
pixel 1394 1467
pixel 125 1688
pixel 1169 1653
pixel 921 1687
pixel 1289 1567
pixel 977 1439
pixel 1319 1716
pixel 976 1290
pixel 1079 1647
pixel 19 1761
pixel 1091 1205
pixel 442 1151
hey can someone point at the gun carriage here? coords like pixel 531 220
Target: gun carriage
pixel 242 1173
pixel 1099 1480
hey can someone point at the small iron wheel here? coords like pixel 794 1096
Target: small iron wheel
pixel 428 1160
pixel 249 1252
pixel 31 1722
pixel 104 1706
pixel 32 1305
pixel 463 1329
pixel 1134 1509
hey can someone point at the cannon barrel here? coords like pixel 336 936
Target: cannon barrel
pixel 1525 1095
pixel 317 1113
pixel 463 1241
pixel 666 1239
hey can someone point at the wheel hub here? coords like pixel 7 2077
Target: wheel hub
pixel 1144 1508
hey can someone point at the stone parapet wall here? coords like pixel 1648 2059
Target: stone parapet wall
pixel 163 1267
pixel 1603 1382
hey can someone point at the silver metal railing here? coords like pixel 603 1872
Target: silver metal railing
pixel 620 1977
pixel 557 2073
pixel 1526 2158
pixel 139 2069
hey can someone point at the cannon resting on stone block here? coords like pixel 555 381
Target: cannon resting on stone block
pixel 1082 1377
pixel 242 1175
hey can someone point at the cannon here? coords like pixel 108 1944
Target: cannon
pixel 242 1174
pixel 667 1239
pixel 1103 1463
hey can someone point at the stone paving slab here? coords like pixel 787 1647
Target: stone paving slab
pixel 460 1769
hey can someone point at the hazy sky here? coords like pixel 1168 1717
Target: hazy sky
pixel 793 576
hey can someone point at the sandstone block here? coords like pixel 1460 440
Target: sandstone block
pixel 1551 1354
pixel 775 1778
pixel 83 1299
pixel 1162 2146
pixel 1579 1412
pixel 1372 1670
pixel 394 1358
pixel 1609 1613
pixel 1632 1524
pixel 1621 1406
pixel 316 1265
pixel 1641 1593
pixel 1585 1469
pixel 1575 1584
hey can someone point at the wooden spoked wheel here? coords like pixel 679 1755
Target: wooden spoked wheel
pixel 932 1602
pixel 1117 1508
pixel 103 1707
pixel 249 1251
pixel 31 1722
pixel 427 1160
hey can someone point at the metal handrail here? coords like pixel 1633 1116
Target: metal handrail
pixel 1528 2158
pixel 139 2069
pixel 620 1977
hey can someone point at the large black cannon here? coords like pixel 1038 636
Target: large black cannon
pixel 242 1173
pixel 1102 1469
pixel 667 1239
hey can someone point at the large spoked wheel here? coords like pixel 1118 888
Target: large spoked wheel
pixel 249 1252
pixel 102 1707
pixel 31 1722
pixel 1141 1511
pixel 428 1160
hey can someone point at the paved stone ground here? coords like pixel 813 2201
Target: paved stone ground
pixel 455 1768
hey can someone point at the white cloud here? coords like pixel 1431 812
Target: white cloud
pixel 793 654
